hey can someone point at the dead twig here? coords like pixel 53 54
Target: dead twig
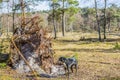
pixel 23 57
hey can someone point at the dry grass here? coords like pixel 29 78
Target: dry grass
pixel 97 60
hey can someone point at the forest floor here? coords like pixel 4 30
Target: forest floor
pixel 96 60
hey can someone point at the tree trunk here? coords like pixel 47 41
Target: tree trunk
pixel 71 26
pixel 63 20
pixel 23 13
pixel 1 22
pixel 109 25
pixel 54 22
pixel 57 25
pixel 8 19
pixel 98 24
pixel 13 18
pixel 105 20
pixel 118 26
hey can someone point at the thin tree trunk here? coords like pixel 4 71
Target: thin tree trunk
pixel 8 18
pixel 98 24
pixel 118 24
pixel 13 18
pixel 23 13
pixel 109 25
pixel 58 26
pixel 71 26
pixel 63 20
pixel 105 20
pixel 1 21
pixel 54 24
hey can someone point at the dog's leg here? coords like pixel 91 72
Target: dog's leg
pixel 71 68
pixel 76 67
pixel 68 72
pixel 65 71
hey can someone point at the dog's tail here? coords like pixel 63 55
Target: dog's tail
pixel 75 56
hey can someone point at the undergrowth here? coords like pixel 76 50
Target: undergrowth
pixel 116 46
pixel 3 65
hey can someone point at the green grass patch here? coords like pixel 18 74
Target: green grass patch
pixel 111 78
pixel 3 65
pixel 117 46
pixel 4 77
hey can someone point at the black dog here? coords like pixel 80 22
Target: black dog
pixel 69 63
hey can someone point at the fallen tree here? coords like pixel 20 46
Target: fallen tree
pixel 31 49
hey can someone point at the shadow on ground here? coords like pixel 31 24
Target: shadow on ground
pixel 4 57
pixel 111 78
pixel 90 40
pixel 108 63
pixel 90 50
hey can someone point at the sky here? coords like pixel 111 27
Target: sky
pixel 82 3
pixel 90 3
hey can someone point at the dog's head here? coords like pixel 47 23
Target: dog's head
pixel 62 59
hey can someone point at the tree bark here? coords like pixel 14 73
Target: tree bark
pixel 118 24
pixel 63 20
pixel 71 26
pixel 13 18
pixel 8 29
pixel 105 20
pixel 54 22
pixel 98 24
pixel 109 21
pixel 23 13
